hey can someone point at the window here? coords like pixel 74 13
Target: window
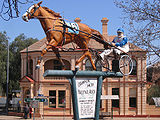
pixel 52 99
pixel 115 103
pixel 61 99
pixel 132 98
pixel 99 66
pixel 88 65
pixel 57 98
pixel 134 70
pixel 31 67
pixel 55 64
pixel 132 102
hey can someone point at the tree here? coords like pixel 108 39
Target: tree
pixel 153 91
pixel 20 43
pixel 142 19
pixel 10 8
pixel 3 61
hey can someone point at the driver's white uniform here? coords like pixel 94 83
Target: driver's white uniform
pixel 121 43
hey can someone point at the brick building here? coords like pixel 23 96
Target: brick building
pixel 130 89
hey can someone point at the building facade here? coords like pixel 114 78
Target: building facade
pixel 130 89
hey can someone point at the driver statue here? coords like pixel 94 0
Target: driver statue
pixel 119 43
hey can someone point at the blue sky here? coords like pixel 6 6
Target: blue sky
pixel 89 11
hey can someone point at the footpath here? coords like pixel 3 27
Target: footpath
pixel 5 117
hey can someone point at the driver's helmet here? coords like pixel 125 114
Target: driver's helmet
pixel 120 30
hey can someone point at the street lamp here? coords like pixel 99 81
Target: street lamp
pixel 7 78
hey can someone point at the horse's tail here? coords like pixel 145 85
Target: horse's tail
pixel 99 38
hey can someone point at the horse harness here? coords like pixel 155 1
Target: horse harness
pixel 64 25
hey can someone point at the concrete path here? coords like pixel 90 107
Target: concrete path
pixel 4 117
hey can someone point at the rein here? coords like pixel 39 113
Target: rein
pixel 66 26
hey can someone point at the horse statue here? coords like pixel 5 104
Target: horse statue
pixel 57 32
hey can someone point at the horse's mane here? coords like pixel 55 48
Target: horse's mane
pixel 52 12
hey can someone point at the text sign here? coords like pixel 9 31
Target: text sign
pixel 86 96
pixel 33 99
pixel 109 97
pixel 34 104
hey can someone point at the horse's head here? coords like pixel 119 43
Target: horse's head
pixel 31 12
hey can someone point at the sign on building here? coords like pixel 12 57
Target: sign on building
pixel 34 104
pixel 109 97
pixel 86 96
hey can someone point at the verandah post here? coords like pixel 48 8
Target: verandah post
pixel 98 96
pixel 74 98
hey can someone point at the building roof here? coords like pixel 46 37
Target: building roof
pixel 26 79
pixel 41 44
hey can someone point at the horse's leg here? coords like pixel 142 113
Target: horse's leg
pixel 86 54
pixel 90 58
pixel 44 51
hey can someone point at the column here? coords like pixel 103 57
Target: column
pixel 144 88
pixel 34 71
pixel 41 71
pixel 139 69
pixel 121 99
pixel 139 77
pixel 126 98
pixel 32 90
pixel 24 67
pixel 109 93
pixel 139 99
pixel 144 96
pixel 73 63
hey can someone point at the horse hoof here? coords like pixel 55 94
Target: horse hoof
pixel 37 67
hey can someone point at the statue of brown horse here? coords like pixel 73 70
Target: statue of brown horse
pixel 52 25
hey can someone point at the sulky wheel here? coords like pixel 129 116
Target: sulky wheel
pixel 125 65
pixel 99 63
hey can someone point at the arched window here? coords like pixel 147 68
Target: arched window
pixel 54 64
pixel 31 67
pixel 134 70
pixel 98 66
pixel 88 66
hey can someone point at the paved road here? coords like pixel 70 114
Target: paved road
pixel 4 117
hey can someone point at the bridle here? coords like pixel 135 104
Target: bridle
pixel 35 9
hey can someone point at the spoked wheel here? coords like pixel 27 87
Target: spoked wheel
pixel 99 63
pixel 125 65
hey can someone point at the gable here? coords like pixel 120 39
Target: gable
pixel 27 79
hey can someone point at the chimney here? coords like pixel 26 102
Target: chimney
pixel 77 20
pixel 104 27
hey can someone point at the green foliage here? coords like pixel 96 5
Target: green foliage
pixel 20 43
pixel 3 60
pixel 153 91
